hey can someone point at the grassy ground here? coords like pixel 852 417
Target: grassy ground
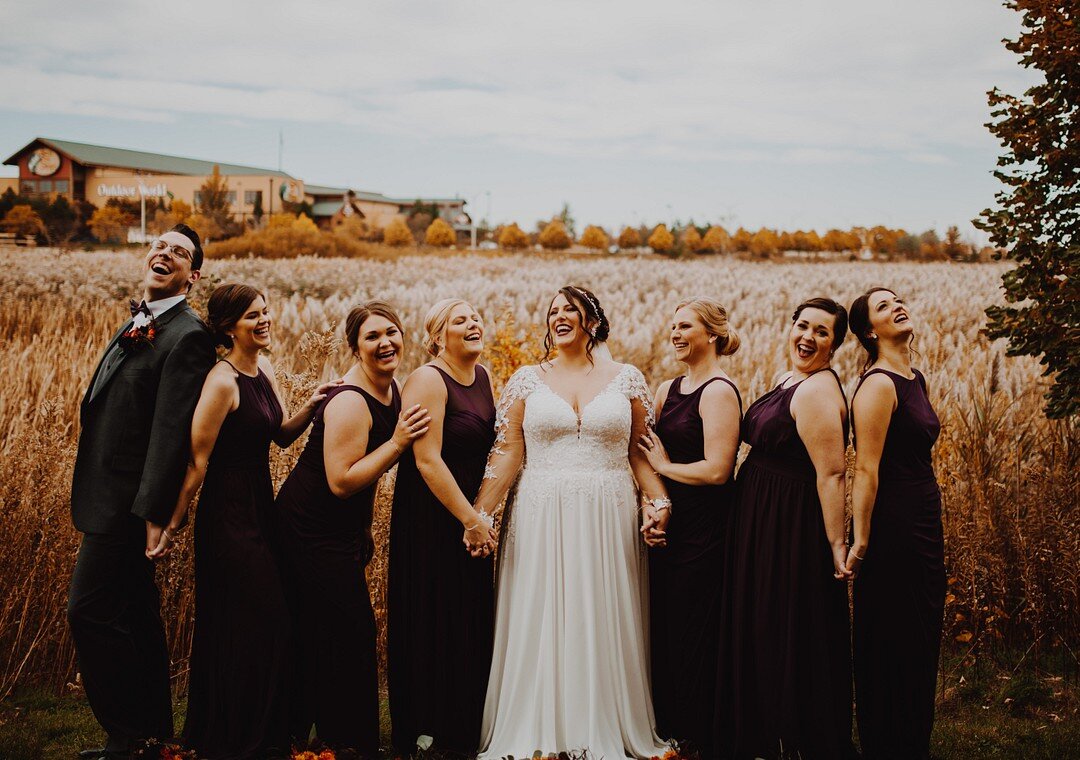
pixel 1038 722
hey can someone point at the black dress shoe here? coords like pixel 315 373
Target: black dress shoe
pixel 92 754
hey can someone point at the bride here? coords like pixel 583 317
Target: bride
pixel 570 669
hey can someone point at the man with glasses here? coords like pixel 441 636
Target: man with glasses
pixel 132 456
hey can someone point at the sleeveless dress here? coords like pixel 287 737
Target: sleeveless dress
pixel 571 666
pixel 327 544
pixel 685 580
pixel 239 652
pixel 900 591
pixel 785 642
pixel 441 600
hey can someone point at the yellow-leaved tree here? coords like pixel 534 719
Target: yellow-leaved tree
pixel 661 240
pixel 397 233
pixel 691 238
pixel 439 234
pixel 764 243
pixel 716 240
pixel 554 237
pixel 595 238
pixel 513 237
pixel 629 238
pixel 109 224
pixel 22 220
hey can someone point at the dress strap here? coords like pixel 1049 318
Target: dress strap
pixel 738 395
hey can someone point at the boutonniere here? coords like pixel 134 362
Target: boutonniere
pixel 141 333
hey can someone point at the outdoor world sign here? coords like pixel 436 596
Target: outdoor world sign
pixel 132 191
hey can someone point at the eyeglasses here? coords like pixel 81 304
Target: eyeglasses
pixel 175 251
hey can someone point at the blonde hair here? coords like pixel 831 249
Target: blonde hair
pixel 435 323
pixel 714 316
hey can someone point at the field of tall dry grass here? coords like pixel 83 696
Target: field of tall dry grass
pixel 1009 476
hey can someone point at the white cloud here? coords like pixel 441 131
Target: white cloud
pixel 803 82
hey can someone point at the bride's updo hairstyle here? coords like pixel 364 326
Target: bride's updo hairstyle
pixel 594 320
pixel 226 306
pixel 714 317
pixel 435 323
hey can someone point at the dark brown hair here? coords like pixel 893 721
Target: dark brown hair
pixel 193 236
pixel 591 311
pixel 859 316
pixel 830 307
pixel 226 306
pixel 359 314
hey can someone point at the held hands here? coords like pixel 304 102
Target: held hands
pixel 480 537
pixel 411 424
pixel 654 451
pixel 159 541
pixel 654 525
pixel 840 562
pixel 855 556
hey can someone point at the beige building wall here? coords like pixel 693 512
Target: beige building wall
pixel 103 183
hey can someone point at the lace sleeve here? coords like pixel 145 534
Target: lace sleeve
pixel 631 383
pixel 508 451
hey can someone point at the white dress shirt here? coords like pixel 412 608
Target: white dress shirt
pixel 157 308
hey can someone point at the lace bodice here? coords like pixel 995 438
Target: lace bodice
pixel 536 426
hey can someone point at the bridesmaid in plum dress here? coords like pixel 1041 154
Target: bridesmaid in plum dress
pixel 441 612
pixel 325 510
pixel 784 685
pixel 898 553
pixel 239 653
pixel 693 449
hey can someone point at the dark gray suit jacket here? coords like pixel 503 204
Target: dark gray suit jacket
pixel 135 440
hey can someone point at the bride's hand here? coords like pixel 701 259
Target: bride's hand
pixel 653 448
pixel 479 538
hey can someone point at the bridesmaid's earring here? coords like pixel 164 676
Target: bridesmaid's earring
pixel 712 339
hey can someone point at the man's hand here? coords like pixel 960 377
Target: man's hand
pixel 158 541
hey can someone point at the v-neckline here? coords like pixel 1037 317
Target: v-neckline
pixel 579 415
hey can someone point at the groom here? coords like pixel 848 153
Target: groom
pixel 132 456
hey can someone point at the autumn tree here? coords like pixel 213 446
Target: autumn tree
pixel 629 238
pixel 109 224
pixel 930 246
pixel 954 247
pixel 1036 222
pixel 837 241
pixel 397 233
pixel 513 237
pixel 691 239
pixel 554 236
pixel 439 234
pixel 764 243
pixel 661 240
pixel 60 222
pixel 717 240
pixel 23 221
pixel 595 238
pixel 740 241
pixel 214 211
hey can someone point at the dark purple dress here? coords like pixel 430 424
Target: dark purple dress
pixel 900 591
pixel 441 615
pixel 239 652
pixel 327 544
pixel 785 643
pixel 685 580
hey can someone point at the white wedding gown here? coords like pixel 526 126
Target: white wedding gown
pixel 570 669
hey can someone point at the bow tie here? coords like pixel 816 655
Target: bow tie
pixel 139 308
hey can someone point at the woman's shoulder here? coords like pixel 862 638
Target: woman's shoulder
pixel 824 384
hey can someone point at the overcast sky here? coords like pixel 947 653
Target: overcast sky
pixel 793 114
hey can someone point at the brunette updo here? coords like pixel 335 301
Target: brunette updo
pixel 359 314
pixel 591 312
pixel 840 318
pixel 714 316
pixel 859 316
pixel 226 306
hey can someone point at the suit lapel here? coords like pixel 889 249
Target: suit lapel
pixel 159 323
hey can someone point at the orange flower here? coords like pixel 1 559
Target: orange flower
pixel 327 754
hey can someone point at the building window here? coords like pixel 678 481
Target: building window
pixel 27 187
pixel 45 186
pixel 232 197
pixel 198 198
pixel 253 197
pixel 61 185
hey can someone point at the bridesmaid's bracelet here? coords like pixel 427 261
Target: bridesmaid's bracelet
pixel 856 556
